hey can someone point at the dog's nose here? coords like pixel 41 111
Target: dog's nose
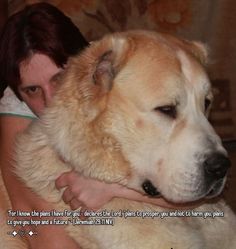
pixel 216 165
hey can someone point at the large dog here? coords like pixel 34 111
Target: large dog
pixel 133 110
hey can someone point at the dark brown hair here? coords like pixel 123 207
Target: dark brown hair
pixel 41 28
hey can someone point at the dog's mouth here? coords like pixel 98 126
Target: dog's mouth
pixel 216 188
pixel 150 189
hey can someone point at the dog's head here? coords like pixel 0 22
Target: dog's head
pixel 149 96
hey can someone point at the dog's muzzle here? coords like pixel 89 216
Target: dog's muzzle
pixel 215 166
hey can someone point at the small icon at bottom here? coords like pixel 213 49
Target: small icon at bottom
pixel 31 233
pixel 21 233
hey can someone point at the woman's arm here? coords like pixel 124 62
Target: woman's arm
pixel 22 198
pixel 93 194
pixel 10 126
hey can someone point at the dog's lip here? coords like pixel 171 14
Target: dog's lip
pixel 150 189
pixel 215 189
pixel 211 193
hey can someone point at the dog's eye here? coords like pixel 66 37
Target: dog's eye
pixel 169 110
pixel 207 104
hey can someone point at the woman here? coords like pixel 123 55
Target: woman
pixel 34 48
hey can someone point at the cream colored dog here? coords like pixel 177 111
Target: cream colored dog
pixel 133 110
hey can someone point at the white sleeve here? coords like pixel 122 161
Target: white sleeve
pixel 11 105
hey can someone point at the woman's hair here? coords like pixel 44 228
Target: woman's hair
pixel 40 28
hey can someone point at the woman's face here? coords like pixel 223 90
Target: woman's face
pixel 38 81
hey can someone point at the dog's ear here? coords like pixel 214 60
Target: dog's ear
pixel 105 71
pixel 111 55
pixel 197 49
pixel 200 51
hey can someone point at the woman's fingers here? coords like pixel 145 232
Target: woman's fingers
pixel 84 192
pixel 66 179
pixel 75 204
pixel 61 181
pixel 67 196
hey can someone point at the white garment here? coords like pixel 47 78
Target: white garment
pixel 11 105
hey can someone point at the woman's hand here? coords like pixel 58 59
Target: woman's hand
pixel 93 194
pixel 84 192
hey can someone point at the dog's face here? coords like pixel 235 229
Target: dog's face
pixel 159 102
pixel 155 102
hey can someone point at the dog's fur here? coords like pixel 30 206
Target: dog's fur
pixel 131 109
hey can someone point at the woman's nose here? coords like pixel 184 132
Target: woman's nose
pixel 48 94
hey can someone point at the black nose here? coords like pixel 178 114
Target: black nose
pixel 149 188
pixel 216 165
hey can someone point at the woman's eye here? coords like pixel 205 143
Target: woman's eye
pixel 32 90
pixel 168 110
pixel 207 104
